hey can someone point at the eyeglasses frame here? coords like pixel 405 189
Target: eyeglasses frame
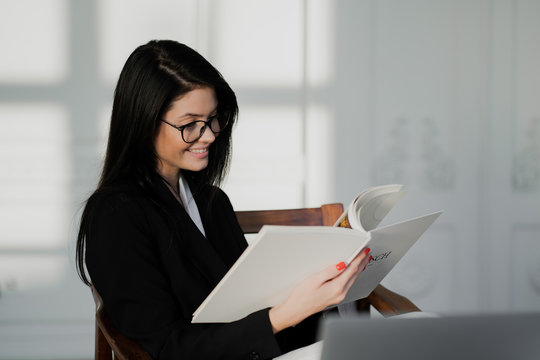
pixel 203 128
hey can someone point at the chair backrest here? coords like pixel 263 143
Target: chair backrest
pixel 252 221
pixel 109 341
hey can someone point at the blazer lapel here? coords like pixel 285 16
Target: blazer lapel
pixel 200 252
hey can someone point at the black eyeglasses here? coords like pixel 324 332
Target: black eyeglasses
pixel 194 130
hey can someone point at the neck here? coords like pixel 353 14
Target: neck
pixel 173 186
pixel 174 190
pixel 171 177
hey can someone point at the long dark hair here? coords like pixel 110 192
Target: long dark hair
pixel 154 76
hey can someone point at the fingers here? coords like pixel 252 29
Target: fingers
pixel 353 278
pixel 330 272
pixel 363 254
pixel 360 261
pixel 349 276
pixel 365 261
pixel 347 273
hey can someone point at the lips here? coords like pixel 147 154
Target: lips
pixel 199 153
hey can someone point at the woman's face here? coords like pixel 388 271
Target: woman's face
pixel 173 153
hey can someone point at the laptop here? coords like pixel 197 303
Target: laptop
pixel 487 336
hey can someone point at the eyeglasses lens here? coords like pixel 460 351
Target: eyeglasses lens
pixel 194 131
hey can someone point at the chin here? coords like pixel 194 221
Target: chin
pixel 196 168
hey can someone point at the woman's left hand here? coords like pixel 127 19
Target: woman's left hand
pixel 323 289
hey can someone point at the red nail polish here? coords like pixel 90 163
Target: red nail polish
pixel 370 257
pixel 341 266
pixel 367 251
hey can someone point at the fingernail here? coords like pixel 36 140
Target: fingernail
pixel 370 257
pixel 341 266
pixel 367 251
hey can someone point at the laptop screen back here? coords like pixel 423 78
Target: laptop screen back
pixel 510 336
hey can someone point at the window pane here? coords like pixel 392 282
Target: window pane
pixel 320 155
pixel 258 43
pixel 34 36
pixel 267 167
pixel 320 44
pixel 147 20
pixel 23 273
pixel 34 177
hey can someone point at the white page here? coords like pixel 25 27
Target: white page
pixel 362 200
pixel 277 260
pixel 388 245
pixel 282 256
pixel 374 211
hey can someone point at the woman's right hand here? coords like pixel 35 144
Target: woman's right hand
pixel 326 288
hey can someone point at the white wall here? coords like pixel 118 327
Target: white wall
pixel 446 101
pixel 335 96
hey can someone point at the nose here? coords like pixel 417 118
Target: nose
pixel 207 135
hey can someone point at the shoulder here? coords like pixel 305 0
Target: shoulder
pixel 118 205
pixel 122 222
pixel 214 199
pixel 115 198
pixel 219 195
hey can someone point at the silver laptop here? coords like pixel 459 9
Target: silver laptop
pixel 503 336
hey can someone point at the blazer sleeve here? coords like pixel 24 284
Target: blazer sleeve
pixel 126 268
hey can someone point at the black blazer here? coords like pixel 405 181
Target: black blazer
pixel 153 267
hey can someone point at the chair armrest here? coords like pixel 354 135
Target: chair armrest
pixel 388 303
pixel 109 338
pixel 122 347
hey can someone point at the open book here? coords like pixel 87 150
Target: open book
pixel 280 257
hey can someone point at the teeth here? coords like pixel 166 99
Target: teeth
pixel 198 151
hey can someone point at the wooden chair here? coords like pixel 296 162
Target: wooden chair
pixel 383 300
pixel 110 343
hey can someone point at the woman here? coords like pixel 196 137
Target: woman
pixel 158 234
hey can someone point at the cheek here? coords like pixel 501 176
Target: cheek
pixel 170 147
pixel 163 144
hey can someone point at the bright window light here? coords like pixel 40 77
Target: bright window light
pixel 147 20
pixel 262 47
pixel 35 173
pixel 267 167
pixel 22 273
pixel 42 26
pixel 320 45
pixel 320 135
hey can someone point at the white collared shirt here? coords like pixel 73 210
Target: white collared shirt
pixel 189 203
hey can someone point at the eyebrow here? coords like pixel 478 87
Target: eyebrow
pixel 198 115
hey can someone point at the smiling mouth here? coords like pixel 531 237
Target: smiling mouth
pixel 198 151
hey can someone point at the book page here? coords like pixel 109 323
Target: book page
pixel 280 257
pixel 373 212
pixel 388 245
pixel 368 209
pixel 273 264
